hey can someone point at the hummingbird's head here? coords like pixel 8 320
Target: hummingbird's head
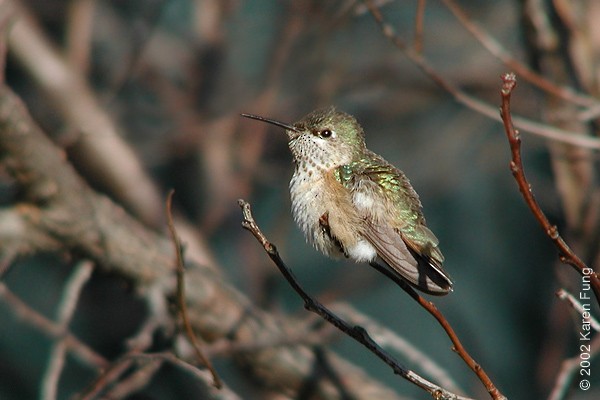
pixel 323 139
pixel 327 137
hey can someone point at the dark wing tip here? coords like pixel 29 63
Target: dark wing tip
pixel 432 279
pixel 440 277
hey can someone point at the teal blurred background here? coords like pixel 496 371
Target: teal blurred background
pixel 176 74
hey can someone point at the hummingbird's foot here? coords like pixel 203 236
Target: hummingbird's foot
pixel 324 221
pixel 325 227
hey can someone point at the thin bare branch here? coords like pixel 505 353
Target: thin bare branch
pixel 516 166
pixel 578 307
pixel 223 393
pixel 181 296
pixel 66 309
pixel 135 381
pixel 140 342
pixel 56 363
pixel 109 374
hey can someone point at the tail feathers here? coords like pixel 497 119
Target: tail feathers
pixel 432 278
pixel 427 278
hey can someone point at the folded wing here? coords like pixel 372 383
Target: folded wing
pixel 394 223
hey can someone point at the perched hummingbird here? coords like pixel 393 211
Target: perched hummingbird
pixel 350 201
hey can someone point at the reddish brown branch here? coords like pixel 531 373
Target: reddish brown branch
pixel 181 296
pixel 566 255
pixel 458 347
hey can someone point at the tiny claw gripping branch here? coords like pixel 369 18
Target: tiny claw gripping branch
pixel 566 254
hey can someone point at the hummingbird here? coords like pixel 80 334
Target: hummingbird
pixel 350 202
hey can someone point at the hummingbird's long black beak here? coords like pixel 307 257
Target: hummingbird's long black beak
pixel 271 121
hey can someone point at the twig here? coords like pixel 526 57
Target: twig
pixel 181 296
pixel 135 381
pixel 66 309
pixel 141 341
pixel 577 306
pixel 204 376
pixel 566 255
pixel 356 332
pixel 473 103
pixel 109 374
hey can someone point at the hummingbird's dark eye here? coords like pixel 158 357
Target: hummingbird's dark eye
pixel 325 133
